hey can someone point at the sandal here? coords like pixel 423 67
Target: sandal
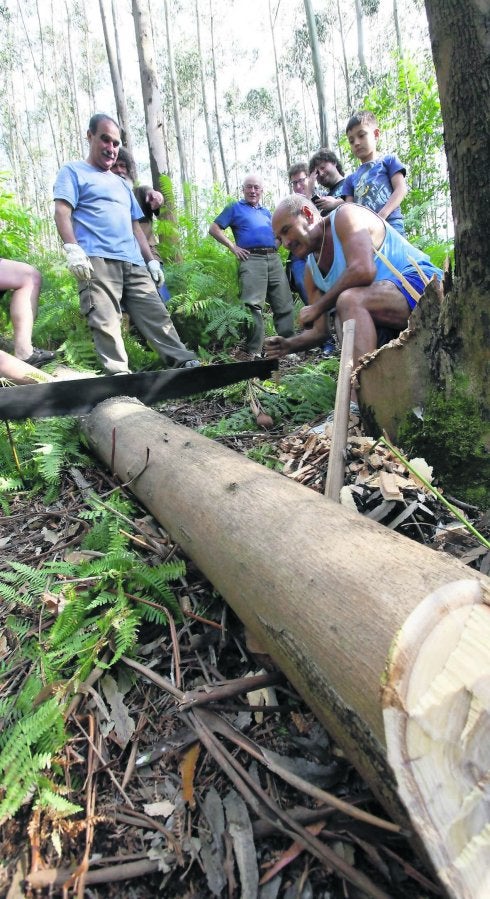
pixel 38 358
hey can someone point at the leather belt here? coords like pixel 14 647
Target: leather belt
pixel 261 251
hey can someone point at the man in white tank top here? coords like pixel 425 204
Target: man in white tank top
pixel 345 272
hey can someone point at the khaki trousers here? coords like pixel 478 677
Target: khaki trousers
pixel 118 287
pixel 264 278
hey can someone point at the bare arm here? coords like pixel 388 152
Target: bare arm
pixel 220 235
pixel 143 243
pixel 314 335
pixel 360 269
pixel 400 189
pixel 62 217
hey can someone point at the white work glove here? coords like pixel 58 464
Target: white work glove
pixel 78 262
pixel 156 272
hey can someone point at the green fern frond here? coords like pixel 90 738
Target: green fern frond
pixel 49 798
pixel 125 631
pixel 58 442
pixel 20 760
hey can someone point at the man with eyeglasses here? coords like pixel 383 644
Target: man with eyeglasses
pixel 261 273
pixel 97 218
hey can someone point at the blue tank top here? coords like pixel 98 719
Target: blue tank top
pixel 398 250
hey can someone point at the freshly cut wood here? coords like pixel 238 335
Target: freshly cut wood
pixel 323 589
pixel 436 702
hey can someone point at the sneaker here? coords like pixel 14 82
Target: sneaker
pixel 328 348
pixel 38 358
pixel 191 363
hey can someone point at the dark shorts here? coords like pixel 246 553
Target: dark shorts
pixel 416 282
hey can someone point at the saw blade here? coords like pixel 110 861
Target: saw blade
pixel 79 396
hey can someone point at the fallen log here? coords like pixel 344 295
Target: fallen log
pixel 325 591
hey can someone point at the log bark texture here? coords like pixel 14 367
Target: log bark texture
pixel 323 589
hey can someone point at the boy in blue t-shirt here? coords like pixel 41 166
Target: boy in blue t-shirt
pixel 379 182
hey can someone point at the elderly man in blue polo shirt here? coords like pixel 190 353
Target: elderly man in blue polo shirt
pixel 261 272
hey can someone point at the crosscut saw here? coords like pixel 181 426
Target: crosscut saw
pixel 79 396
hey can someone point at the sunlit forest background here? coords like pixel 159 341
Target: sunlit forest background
pixel 240 86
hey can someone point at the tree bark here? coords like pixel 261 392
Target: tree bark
pixel 323 589
pixel 344 56
pixel 175 101
pixel 459 37
pixel 209 135
pixel 399 44
pixel 360 36
pixel 117 83
pixel 149 89
pixel 320 87
pixel 279 92
pixel 216 105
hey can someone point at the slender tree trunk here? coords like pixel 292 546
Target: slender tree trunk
pixel 175 100
pixel 88 59
pixel 150 89
pixel 40 77
pixel 209 135
pixel 320 87
pixel 279 91
pixel 73 85
pixel 344 55
pixel 116 78
pixel 216 106
pixel 408 104
pixel 360 36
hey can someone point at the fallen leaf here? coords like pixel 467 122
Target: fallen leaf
pixel 161 809
pixel 123 723
pixel 187 770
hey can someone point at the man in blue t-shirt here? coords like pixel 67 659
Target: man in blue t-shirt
pixel 97 218
pixel 261 272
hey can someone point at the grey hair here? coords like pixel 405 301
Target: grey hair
pixel 294 203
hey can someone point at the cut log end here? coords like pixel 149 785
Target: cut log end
pixel 436 713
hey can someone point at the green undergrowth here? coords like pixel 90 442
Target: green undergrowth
pixel 59 622
pixel 296 398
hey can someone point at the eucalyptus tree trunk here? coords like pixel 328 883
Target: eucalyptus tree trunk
pixel 73 85
pixel 360 36
pixel 346 64
pixel 216 106
pixel 209 134
pixel 175 101
pixel 39 70
pixel 279 91
pixel 87 52
pixel 320 87
pixel 116 78
pixel 149 89
pixel 51 79
pixel 399 44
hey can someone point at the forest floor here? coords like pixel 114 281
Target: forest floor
pixel 172 753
